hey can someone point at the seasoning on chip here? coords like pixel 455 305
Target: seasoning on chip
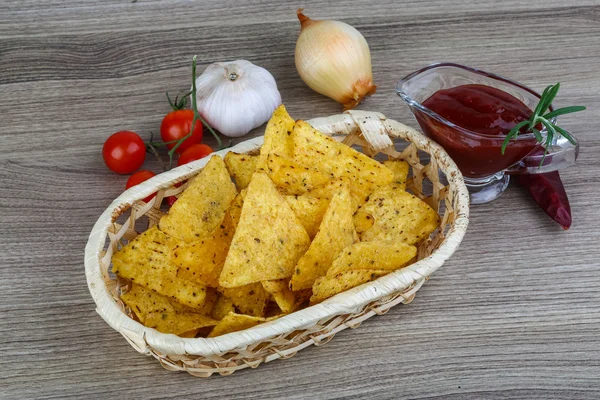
pixel 326 286
pixel 397 216
pixel 146 260
pixel 284 297
pixel 388 256
pixel 269 238
pixel 309 210
pixel 315 150
pixel 335 233
pixel 241 167
pixel 201 207
pixel 277 137
pixel 400 170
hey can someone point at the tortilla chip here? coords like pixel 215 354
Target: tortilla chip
pixel 233 322
pixel 292 177
pixel 400 170
pixel 302 297
pixel 202 261
pixel 222 307
pixel 362 221
pixel 249 299
pixel 284 297
pixel 240 167
pixel 332 187
pixel 149 307
pixel 325 286
pixel 309 210
pixel 387 256
pixel 268 241
pixel 209 302
pixel 147 261
pixel 201 207
pixel 143 301
pixel 235 208
pixel 178 323
pixel 314 150
pixel 335 233
pixel 397 216
pixel 277 137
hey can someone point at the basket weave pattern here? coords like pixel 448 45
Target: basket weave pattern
pixel 316 325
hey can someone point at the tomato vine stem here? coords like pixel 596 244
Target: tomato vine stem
pixel 197 117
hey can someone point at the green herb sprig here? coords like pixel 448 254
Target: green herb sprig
pixel 538 117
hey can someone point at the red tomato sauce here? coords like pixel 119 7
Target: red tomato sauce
pixel 482 116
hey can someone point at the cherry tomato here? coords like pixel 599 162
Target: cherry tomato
pixel 193 153
pixel 124 152
pixel 138 178
pixel 176 125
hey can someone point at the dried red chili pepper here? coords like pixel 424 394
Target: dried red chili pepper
pixel 549 193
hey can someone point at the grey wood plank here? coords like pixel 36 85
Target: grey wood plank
pixel 513 315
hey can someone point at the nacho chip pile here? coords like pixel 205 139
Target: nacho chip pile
pixel 255 237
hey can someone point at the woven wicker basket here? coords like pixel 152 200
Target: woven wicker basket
pixel 284 337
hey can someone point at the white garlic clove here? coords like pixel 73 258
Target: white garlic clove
pixel 236 97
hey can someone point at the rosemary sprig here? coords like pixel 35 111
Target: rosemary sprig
pixel 539 118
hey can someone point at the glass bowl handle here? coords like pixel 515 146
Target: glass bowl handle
pixel 561 154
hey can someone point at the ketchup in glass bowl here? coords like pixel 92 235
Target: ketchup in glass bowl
pixel 469 113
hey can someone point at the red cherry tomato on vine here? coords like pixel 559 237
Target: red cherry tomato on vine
pixel 176 125
pixel 193 153
pixel 124 152
pixel 138 178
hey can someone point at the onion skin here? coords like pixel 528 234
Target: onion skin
pixel 334 60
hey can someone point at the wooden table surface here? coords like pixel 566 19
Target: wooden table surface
pixel 514 314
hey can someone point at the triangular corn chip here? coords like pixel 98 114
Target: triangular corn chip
pixel 250 299
pixel 325 286
pixel 235 209
pixel 209 302
pixel 233 322
pixel 277 137
pixel 147 261
pixel 222 307
pixel 178 323
pixel 400 170
pixel 397 216
pixel 269 238
pixel 309 210
pixel 292 177
pixel 387 256
pixel 144 301
pixel 362 221
pixel 241 167
pixel 332 187
pixel 201 207
pixel 335 233
pixel 284 297
pixel 314 150
pixel 164 314
pixel 202 260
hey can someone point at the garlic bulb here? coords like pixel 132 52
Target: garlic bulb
pixel 236 97
pixel 333 59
